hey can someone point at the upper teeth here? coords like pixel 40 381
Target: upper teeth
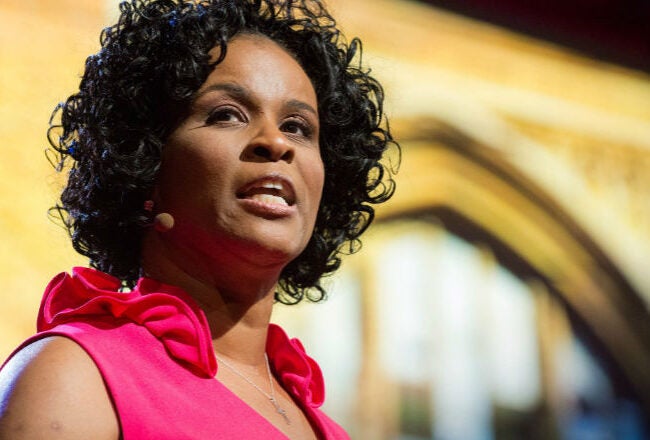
pixel 273 185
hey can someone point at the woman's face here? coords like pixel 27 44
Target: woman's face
pixel 242 174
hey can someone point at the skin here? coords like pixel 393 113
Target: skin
pixel 53 390
pixel 254 122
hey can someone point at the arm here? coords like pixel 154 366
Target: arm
pixel 52 389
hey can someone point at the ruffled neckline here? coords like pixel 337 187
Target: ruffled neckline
pixel 173 317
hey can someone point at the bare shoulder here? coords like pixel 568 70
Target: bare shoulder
pixel 52 389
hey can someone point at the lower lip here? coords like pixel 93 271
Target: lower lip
pixel 268 210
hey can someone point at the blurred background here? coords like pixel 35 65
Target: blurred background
pixel 504 292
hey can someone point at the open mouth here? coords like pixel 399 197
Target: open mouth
pixel 270 191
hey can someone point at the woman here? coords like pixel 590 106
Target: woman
pixel 222 154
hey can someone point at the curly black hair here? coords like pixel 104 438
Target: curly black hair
pixel 136 89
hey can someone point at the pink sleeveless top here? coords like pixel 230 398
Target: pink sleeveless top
pixel 154 351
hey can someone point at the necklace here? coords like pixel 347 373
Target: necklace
pixel 271 396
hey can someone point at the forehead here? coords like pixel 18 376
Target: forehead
pixel 262 65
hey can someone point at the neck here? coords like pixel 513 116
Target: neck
pixel 237 299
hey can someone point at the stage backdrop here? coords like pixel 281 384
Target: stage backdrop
pixel 521 224
pixel 43 45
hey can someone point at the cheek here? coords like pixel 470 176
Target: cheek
pixel 316 180
pixel 186 173
pixel 314 170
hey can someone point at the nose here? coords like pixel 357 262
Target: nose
pixel 270 144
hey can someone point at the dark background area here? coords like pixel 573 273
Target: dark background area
pixel 617 31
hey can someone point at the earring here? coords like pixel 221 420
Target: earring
pixel 162 222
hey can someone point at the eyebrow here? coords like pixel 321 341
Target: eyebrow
pixel 297 104
pixel 243 94
pixel 232 88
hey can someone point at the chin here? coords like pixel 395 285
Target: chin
pixel 274 242
pixel 264 250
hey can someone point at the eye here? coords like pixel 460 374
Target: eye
pixel 227 115
pixel 298 127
